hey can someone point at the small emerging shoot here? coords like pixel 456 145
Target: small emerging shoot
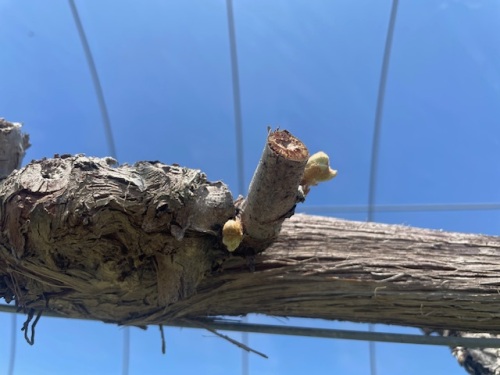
pixel 232 234
pixel 317 170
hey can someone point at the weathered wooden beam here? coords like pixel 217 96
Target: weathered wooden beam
pixel 142 244
pixel 366 272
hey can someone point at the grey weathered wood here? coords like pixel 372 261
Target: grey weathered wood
pixel 84 238
pixel 13 145
pixel 142 245
pixel 366 272
pixel 131 248
pixel 274 190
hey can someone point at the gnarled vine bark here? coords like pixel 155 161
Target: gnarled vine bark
pixel 142 245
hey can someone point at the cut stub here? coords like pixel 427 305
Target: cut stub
pixel 274 190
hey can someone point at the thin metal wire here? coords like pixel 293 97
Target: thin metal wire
pixel 376 144
pixel 380 111
pixel 13 339
pixel 126 351
pixel 372 349
pixel 95 79
pixel 400 338
pixel 400 208
pixel 238 326
pixel 239 137
pixel 238 122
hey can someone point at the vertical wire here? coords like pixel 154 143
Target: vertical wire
pixel 239 141
pixel 376 145
pixel 236 97
pixel 109 138
pixel 95 79
pixel 379 111
pixel 126 351
pixel 13 335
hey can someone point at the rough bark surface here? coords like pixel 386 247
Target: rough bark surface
pixel 274 191
pixel 336 269
pixel 82 238
pixel 13 145
pixel 141 245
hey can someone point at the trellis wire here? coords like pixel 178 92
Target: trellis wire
pixel 238 123
pixel 13 340
pixel 352 209
pixel 237 326
pixel 376 141
pixel 95 79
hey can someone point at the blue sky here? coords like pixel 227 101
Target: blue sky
pixel 312 67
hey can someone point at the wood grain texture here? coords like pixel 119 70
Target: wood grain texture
pixel 86 239
pixel 273 192
pixel 141 245
pixel 365 272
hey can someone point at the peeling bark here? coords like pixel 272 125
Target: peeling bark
pixel 136 245
pixel 82 238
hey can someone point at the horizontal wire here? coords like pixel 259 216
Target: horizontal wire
pixel 228 325
pixel 352 335
pixel 399 208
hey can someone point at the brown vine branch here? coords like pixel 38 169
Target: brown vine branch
pixel 273 191
pixel 143 245
pixel 366 272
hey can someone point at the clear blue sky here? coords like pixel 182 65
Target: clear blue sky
pixel 311 67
